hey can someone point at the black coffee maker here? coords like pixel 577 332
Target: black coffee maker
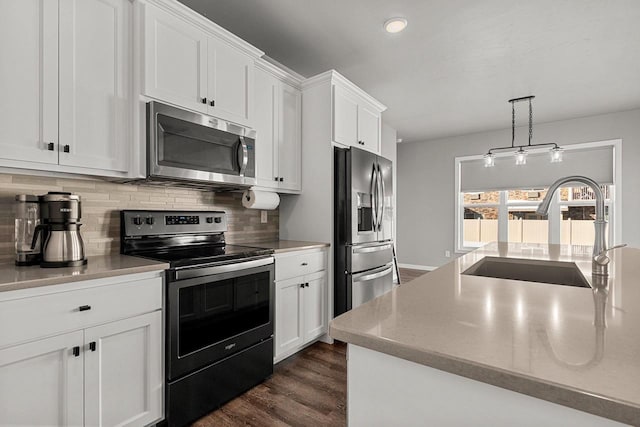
pixel 59 229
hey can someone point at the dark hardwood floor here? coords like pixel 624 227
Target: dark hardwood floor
pixel 307 389
pixel 407 274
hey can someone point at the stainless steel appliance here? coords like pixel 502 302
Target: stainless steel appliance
pixel 59 230
pixel 363 215
pixel 193 149
pixel 219 306
pixel 27 212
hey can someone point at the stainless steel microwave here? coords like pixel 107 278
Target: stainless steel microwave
pixel 197 150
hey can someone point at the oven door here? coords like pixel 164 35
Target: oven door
pixel 213 316
pixel 194 147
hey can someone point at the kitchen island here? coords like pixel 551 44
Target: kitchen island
pixel 454 349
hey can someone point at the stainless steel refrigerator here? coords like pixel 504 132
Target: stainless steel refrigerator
pixel 363 218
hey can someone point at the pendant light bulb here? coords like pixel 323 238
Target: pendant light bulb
pixel 521 157
pixel 489 160
pixel 556 154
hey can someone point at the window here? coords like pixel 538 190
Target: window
pixel 509 214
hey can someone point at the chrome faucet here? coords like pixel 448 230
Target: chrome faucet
pixel 600 260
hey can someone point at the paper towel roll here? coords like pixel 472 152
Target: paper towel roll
pixel 263 200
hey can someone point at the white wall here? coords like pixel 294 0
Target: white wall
pixel 426 189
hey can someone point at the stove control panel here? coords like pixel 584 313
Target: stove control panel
pixel 136 223
pixel 182 219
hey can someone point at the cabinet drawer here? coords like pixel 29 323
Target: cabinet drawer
pixel 299 264
pixel 29 318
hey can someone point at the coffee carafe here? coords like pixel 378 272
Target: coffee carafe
pixel 59 229
pixel 27 212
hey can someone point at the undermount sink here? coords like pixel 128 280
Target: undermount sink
pixel 529 270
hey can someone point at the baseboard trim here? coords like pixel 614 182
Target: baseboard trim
pixel 417 267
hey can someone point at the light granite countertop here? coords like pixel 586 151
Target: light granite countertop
pixel 14 278
pixel 538 339
pixel 281 246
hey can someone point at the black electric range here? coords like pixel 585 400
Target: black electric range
pixel 219 307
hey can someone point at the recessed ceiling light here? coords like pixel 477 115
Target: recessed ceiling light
pixel 395 25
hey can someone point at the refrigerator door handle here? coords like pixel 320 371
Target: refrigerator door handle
pixel 369 249
pixel 365 277
pixel 381 198
pixel 374 197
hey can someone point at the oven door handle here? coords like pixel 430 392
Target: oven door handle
pixel 191 272
pixel 243 155
pixel 374 274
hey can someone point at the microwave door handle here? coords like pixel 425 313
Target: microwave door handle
pixel 243 155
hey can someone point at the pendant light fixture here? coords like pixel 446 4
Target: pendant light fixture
pixel 521 151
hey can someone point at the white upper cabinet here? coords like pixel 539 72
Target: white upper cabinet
pixel 345 117
pixel 266 126
pixel 175 65
pixel 230 80
pixel 356 120
pixel 369 128
pixel 66 98
pixel 28 81
pixel 190 67
pixel 95 76
pixel 290 138
pixel 278 123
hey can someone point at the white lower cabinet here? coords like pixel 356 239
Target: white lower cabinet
pixel 123 372
pixel 301 305
pixel 105 374
pixel 41 383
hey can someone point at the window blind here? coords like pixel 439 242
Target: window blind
pixel 595 163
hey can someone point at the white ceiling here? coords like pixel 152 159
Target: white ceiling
pixel 453 69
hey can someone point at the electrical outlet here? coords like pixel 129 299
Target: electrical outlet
pixel 263 217
pixel 447 254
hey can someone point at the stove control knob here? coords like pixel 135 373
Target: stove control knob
pixel 209 220
pixel 137 220
pixel 218 220
pixel 151 220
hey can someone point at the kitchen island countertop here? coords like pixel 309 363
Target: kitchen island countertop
pixel 538 339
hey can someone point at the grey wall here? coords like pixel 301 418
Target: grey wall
pixel 426 188
pixel 389 151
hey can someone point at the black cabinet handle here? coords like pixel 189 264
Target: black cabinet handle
pixel 51 146
pixel 84 308
pixel 306 285
pixel 281 179
pixel 212 103
pixel 275 179
pixel 302 285
pixel 305 263
pixel 76 351
pixel 204 100
pixel 92 346
pixel 66 148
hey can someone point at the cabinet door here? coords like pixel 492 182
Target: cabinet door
pixel 315 305
pixel 29 80
pixel 123 372
pixel 345 117
pixel 289 311
pixel 41 383
pixel 290 138
pixel 175 60
pixel 266 126
pixel 230 79
pixel 95 73
pixel 369 128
